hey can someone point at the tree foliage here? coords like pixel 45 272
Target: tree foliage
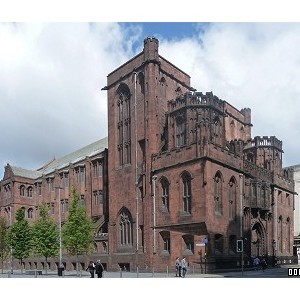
pixel 45 234
pixel 4 246
pixel 77 234
pixel 20 237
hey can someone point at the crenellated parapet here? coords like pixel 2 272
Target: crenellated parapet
pixel 264 141
pixel 196 99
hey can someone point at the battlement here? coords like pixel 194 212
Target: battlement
pixel 264 141
pixel 196 99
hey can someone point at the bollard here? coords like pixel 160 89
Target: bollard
pixel 35 273
pixel 167 271
pixel 121 273
pixel 193 269
pixel 137 272
pixel 80 275
pixel 152 271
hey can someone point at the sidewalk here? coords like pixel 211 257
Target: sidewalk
pixel 85 274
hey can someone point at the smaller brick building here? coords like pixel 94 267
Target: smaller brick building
pixel 85 169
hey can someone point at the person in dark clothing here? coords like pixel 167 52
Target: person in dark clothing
pixel 263 264
pixel 99 269
pixel 91 269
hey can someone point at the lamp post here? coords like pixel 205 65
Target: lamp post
pixel 273 256
pixel 154 177
pixel 11 250
pixel 60 269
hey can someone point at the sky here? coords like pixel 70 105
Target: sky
pixel 51 75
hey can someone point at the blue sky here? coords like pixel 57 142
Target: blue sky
pixel 52 74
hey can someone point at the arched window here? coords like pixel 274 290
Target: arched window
pixel 218 193
pixel 187 193
pixel 163 87
pixel 216 130
pixel 22 190
pixel 29 192
pixel 165 194
pixel 232 197
pixel 30 213
pixel 125 225
pixel 124 124
pixel 180 131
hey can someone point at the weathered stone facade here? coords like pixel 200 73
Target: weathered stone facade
pixel 194 173
pixel 184 176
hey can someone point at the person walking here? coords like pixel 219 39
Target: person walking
pixel 263 264
pixel 256 263
pixel 91 269
pixel 99 269
pixel 177 267
pixel 183 267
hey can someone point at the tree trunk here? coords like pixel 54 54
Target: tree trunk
pixel 77 264
pixel 21 265
pixel 46 265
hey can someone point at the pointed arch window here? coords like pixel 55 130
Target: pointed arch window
pixel 180 131
pixel 218 193
pixel 232 197
pixel 30 213
pixel 29 192
pixel 125 226
pixel 187 193
pixel 165 194
pixel 22 190
pixel 124 125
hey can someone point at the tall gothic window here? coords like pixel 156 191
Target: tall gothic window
pixel 22 190
pixel 187 193
pixel 124 125
pixel 218 193
pixel 232 197
pixel 180 132
pixel 125 225
pixel 216 130
pixel 165 194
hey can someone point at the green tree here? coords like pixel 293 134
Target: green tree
pixel 77 233
pixel 45 235
pixel 4 247
pixel 20 237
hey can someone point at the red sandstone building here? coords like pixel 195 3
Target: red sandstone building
pixel 184 177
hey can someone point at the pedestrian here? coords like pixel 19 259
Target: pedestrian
pixel 183 267
pixel 256 263
pixel 263 264
pixel 177 267
pixel 99 268
pixel 91 269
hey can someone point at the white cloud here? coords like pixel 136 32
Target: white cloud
pixel 51 77
pixel 255 65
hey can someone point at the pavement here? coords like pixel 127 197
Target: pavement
pixel 269 272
